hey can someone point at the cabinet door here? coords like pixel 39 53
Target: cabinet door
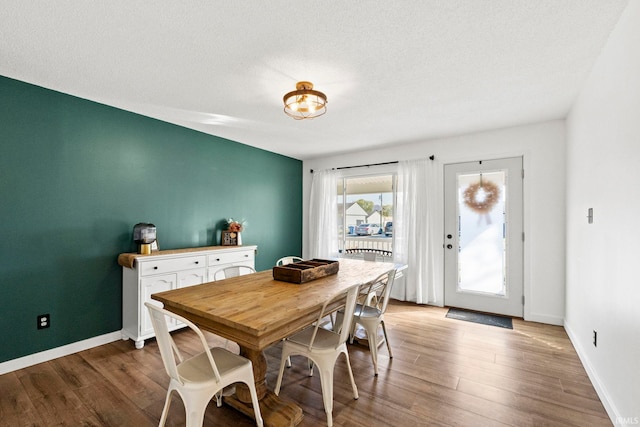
pixel 151 285
pixel 191 277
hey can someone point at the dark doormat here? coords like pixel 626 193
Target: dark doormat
pixel 483 318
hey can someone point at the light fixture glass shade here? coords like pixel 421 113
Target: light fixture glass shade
pixel 304 102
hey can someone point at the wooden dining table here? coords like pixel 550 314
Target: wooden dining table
pixel 257 311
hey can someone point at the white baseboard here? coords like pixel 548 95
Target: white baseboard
pixel 54 353
pixel 543 318
pixel 593 376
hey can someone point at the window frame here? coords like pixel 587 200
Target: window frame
pixel 358 172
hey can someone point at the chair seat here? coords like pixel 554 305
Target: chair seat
pixel 366 311
pixel 325 340
pixel 198 368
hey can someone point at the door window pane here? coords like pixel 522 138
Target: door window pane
pixel 482 222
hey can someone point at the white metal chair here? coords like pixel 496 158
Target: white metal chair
pixel 288 260
pixel 284 261
pixel 198 379
pixel 232 271
pixel 322 347
pixel 369 256
pixel 370 313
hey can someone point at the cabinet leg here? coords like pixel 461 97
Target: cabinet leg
pixel 139 344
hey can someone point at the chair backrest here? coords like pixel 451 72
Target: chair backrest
pixel 233 271
pixel 344 300
pixel 369 256
pixel 288 260
pixel 379 290
pixel 168 349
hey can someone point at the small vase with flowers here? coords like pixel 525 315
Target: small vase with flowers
pixel 233 235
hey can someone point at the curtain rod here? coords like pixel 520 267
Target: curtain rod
pixel 431 157
pixel 366 166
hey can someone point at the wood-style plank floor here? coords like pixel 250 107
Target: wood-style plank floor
pixel 444 372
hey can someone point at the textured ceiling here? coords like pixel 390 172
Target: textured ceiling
pixel 393 72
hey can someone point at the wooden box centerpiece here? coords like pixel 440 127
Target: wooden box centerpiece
pixel 305 271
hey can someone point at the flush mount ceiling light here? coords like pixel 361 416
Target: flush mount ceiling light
pixel 304 102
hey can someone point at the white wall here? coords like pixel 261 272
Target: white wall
pixel 603 172
pixel 543 148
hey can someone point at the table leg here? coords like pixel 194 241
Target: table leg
pixel 259 374
pixel 275 412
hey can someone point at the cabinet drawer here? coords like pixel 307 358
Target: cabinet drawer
pixel 230 257
pixel 171 265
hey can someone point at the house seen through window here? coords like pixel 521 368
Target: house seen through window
pixel 365 212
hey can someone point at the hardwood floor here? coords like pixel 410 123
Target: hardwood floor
pixel 444 372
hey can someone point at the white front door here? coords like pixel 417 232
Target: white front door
pixel 484 236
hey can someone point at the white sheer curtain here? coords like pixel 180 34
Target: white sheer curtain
pixel 417 230
pixel 323 215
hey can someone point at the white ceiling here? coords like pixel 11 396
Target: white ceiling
pixel 393 71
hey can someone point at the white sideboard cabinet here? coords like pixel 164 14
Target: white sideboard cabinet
pixel 143 275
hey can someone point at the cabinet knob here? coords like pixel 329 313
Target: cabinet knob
pixel 246 255
pixel 197 262
pixel 155 268
pixel 217 259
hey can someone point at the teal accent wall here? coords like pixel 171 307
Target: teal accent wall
pixel 76 176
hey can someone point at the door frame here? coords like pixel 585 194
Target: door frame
pixel 525 155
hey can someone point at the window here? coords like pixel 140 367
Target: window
pixel 365 212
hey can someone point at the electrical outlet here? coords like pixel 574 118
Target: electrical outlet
pixel 595 338
pixel 44 321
